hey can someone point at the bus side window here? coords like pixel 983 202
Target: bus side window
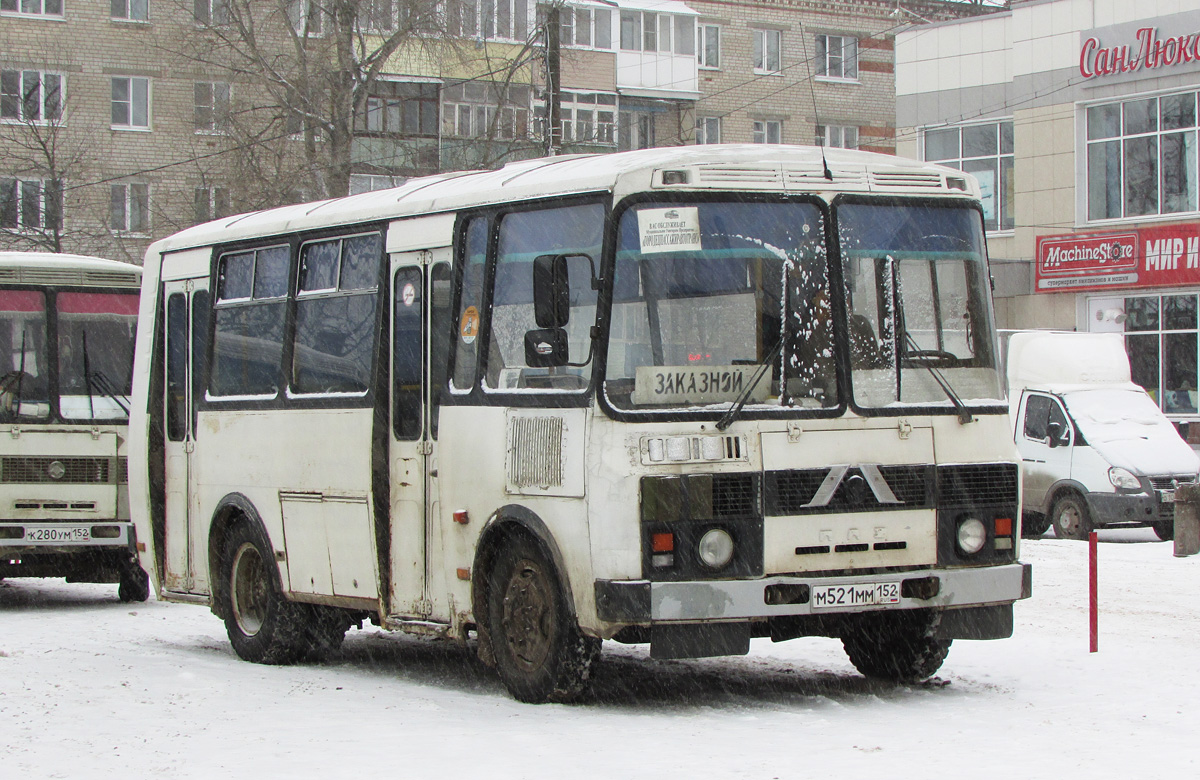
pixel 470 305
pixel 440 283
pixel 406 354
pixel 177 349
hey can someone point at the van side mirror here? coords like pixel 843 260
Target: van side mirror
pixel 1055 431
pixel 551 291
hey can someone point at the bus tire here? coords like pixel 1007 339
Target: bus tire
pixel 262 625
pixel 326 630
pixel 134 584
pixel 540 652
pixel 897 646
pixel 1070 518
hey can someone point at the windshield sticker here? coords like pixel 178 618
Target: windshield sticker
pixel 669 230
pixel 408 295
pixel 468 326
pixel 696 385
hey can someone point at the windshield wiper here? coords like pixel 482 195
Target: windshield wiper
pixel 98 380
pixel 731 415
pixel 964 414
pixel 16 378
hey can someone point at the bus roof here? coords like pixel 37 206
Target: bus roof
pixel 716 167
pixel 51 268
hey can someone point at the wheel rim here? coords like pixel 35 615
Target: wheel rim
pixel 1069 519
pixel 248 590
pixel 529 615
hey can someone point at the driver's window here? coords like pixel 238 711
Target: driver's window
pixel 1037 409
pixel 576 231
pixel 1059 417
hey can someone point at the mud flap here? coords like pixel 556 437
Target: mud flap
pixel 991 622
pixel 702 640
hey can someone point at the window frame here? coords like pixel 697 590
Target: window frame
pixel 825 134
pixel 20 101
pixel 761 131
pixel 825 58
pixel 703 59
pixel 49 220
pixel 1004 186
pixel 762 56
pixel 131 103
pixel 129 199
pixel 42 13
pixel 219 117
pixel 127 6
pixel 704 125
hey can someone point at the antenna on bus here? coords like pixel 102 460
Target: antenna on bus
pixel 813 92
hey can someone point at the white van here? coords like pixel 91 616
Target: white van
pixel 1096 451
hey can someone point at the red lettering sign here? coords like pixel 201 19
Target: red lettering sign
pixel 1149 52
pixel 1161 256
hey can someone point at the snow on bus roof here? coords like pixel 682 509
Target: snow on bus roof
pixel 64 262
pixel 546 177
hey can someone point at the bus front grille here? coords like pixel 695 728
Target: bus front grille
pixel 983 484
pixel 88 471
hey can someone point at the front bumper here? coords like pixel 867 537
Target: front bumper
pixel 643 602
pixel 1119 508
pixel 27 537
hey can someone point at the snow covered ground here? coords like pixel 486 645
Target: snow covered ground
pixel 92 688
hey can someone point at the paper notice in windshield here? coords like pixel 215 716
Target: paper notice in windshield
pixel 654 385
pixel 669 230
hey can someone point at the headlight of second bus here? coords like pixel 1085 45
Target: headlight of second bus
pixel 715 548
pixel 972 535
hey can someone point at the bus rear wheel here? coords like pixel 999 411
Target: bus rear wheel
pixel 540 652
pixel 262 625
pixel 897 646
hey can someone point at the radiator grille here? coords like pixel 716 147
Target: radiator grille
pixel 734 495
pixel 732 176
pixel 535 452
pixel 122 471
pixel 977 485
pixel 42 470
pixel 793 492
pixel 907 180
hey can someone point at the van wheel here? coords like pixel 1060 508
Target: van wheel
pixel 1165 530
pixel 1034 525
pixel 262 625
pixel 540 652
pixel 134 585
pixel 897 646
pixel 1070 518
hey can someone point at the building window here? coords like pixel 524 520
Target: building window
pixel 131 10
pixel 986 151
pixel 130 102
pixel 378 16
pixel 767 46
pixel 1141 157
pixel 306 16
pixel 369 182
pixel 837 57
pixel 30 205
pixel 588 117
pixel 211 107
pixel 651 32
pixel 768 131
pixel 401 109
pixel 211 203
pixel 30 96
pixel 839 136
pixel 32 7
pixel 635 130
pixel 585 27
pixel 469 110
pixel 130 212
pixel 507 19
pixel 1161 339
pixel 708 45
pixel 212 12
pixel 708 129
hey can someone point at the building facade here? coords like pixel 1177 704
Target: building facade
pixel 1080 119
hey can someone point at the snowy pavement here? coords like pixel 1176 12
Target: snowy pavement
pixel 92 688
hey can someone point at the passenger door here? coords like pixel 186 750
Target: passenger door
pixel 420 308
pixel 186 338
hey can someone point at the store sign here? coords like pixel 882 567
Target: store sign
pixel 1164 256
pixel 1166 45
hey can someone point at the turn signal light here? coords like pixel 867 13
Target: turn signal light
pixel 1004 526
pixel 662 542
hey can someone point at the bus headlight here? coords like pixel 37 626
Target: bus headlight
pixel 1124 479
pixel 715 548
pixel 972 535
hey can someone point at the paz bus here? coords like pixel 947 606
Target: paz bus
pixel 67 325
pixel 680 397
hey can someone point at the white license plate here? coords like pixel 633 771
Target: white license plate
pixel 855 595
pixel 1166 496
pixel 79 534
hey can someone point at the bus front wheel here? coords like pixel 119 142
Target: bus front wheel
pixel 896 646
pixel 134 584
pixel 263 626
pixel 540 652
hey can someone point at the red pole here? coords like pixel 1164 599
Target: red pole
pixel 1093 614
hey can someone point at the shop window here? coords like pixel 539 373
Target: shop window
pixel 1141 157
pixel 986 152
pixel 1161 338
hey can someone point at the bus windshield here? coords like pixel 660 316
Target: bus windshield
pixel 703 293
pixel 916 287
pixel 24 381
pixel 95 354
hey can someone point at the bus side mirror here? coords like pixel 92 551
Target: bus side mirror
pixel 546 348
pixel 551 292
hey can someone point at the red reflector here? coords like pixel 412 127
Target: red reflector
pixel 1003 526
pixel 461 517
pixel 661 543
pixel 464 574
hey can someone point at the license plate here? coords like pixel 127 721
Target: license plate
pixel 1166 496
pixel 855 595
pixel 78 534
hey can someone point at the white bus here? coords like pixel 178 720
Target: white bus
pixel 67 325
pixel 682 397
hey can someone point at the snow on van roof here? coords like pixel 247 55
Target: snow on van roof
pixel 716 167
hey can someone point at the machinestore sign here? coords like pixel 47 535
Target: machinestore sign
pixel 1164 256
pixel 1154 47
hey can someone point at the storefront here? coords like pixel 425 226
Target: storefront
pixel 1095 224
